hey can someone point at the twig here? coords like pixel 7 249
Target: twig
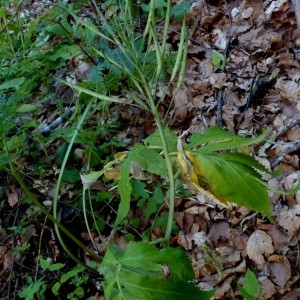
pixel 57 121
pixel 293 148
pixel 221 90
pixel 293 124
pixel 248 102
pixel 15 14
pixel 219 107
pixel 75 41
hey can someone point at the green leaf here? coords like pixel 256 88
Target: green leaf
pixel 180 10
pixel 103 195
pixel 233 180
pixel 162 221
pixel 218 61
pixel 71 175
pixel 139 190
pixel 251 287
pixel 137 287
pixel 14 83
pixel 149 159
pixel 65 277
pixel 136 273
pixel 46 265
pixel 32 289
pixel 26 108
pixel 216 139
pixel 154 202
pixel 55 288
pixel 62 51
pixel 124 188
pixel 157 4
pixel 154 140
pixel 246 160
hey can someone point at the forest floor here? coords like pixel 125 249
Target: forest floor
pixel 243 74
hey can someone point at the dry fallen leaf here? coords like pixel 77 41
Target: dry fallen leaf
pixel 267 288
pixel 258 245
pixel 289 89
pixel 289 219
pixel 280 271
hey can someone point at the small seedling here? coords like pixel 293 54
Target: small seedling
pixel 251 289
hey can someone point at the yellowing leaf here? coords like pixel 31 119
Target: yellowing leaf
pixel 230 178
pixel 191 177
pixel 112 173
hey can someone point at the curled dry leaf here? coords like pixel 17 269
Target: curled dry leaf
pixel 258 245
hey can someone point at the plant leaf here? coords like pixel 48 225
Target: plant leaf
pixel 190 176
pixel 216 139
pixel 124 188
pixel 251 286
pixel 13 83
pixel 232 180
pixel 149 159
pixel 154 140
pixel 136 273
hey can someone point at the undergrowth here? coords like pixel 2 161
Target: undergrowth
pixel 126 46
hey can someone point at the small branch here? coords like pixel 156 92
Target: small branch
pixel 57 121
pixel 293 124
pixel 291 149
pixel 219 108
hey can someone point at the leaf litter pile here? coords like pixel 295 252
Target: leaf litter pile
pixel 243 74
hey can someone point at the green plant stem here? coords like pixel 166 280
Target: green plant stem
pixel 33 198
pixel 167 160
pixel 56 196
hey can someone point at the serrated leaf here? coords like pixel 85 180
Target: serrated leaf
pixel 232 180
pixel 195 180
pixel 248 161
pixel 139 287
pixel 216 139
pixel 135 273
pixel 154 140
